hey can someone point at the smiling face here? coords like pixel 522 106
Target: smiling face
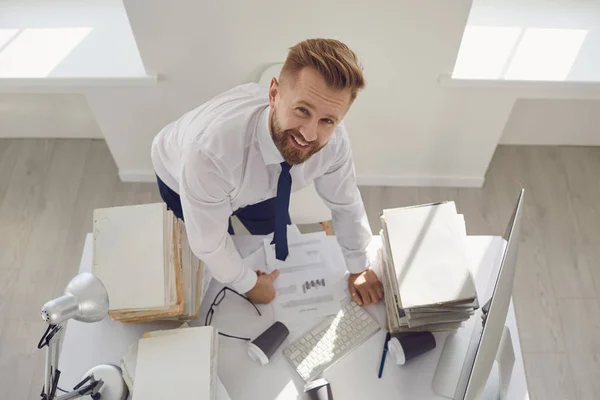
pixel 304 114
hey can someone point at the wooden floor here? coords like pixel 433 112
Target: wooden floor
pixel 48 189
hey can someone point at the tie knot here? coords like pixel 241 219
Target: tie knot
pixel 285 166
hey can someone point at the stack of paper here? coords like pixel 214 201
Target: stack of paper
pixel 129 363
pixel 177 364
pixel 129 359
pixel 428 284
pixel 142 256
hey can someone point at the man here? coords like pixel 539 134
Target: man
pixel 242 153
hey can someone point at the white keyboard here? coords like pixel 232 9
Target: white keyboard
pixel 330 341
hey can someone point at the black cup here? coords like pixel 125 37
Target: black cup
pixel 318 390
pixel 407 345
pixel 263 347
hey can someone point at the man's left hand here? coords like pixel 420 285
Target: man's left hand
pixel 365 287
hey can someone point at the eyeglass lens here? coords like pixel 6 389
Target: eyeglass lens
pixel 220 297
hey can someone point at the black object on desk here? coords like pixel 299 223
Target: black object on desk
pixel 385 350
pixel 318 390
pixel 263 347
pixel 405 346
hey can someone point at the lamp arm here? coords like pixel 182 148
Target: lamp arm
pixel 52 355
pixel 88 387
pixel 91 389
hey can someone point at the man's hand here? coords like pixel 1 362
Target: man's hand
pixel 365 287
pixel 264 291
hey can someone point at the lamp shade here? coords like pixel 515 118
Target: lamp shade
pixel 85 300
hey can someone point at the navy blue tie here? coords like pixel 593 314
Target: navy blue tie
pixel 282 217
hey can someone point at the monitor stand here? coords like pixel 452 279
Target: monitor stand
pixel 457 350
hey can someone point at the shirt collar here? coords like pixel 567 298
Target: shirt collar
pixel 270 153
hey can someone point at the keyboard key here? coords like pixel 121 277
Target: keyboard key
pixel 317 331
pixel 295 354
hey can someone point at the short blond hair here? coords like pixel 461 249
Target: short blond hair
pixel 336 63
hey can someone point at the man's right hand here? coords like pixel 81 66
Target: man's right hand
pixel 264 291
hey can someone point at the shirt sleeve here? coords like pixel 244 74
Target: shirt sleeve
pixel 337 187
pixel 205 188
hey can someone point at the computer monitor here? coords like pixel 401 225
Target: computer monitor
pixel 459 377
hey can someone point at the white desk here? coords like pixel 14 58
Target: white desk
pixel 354 377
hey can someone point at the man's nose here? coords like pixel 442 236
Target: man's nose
pixel 309 131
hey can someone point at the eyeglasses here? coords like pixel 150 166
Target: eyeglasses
pixel 218 299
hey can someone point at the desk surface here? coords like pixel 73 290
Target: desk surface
pixel 354 377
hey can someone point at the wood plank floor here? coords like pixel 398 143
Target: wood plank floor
pixel 49 188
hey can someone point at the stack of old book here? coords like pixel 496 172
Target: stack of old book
pixel 142 256
pixel 202 360
pixel 175 364
pixel 428 285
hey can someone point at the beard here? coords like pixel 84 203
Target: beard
pixel 291 154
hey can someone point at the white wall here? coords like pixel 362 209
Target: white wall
pixel 538 121
pixel 50 115
pixel 405 128
pixel 581 15
pixel 554 122
pixel 108 50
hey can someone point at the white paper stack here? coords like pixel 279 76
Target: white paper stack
pixel 129 359
pixel 142 256
pixel 177 364
pixel 427 281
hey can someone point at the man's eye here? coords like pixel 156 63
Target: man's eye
pixel 328 121
pixel 303 110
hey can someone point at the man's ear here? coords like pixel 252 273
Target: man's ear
pixel 273 91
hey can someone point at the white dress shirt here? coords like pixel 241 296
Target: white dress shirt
pixel 220 157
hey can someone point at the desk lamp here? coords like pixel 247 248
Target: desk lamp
pixel 85 300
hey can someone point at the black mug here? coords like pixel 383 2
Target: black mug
pixel 264 346
pixel 405 346
pixel 318 390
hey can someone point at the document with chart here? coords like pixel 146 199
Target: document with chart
pixel 312 279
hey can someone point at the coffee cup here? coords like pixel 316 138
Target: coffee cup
pixel 318 390
pixel 264 346
pixel 404 346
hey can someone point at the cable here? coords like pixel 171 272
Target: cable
pixel 62 390
pixel 48 335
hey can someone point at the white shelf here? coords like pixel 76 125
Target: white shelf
pixel 534 89
pixel 62 85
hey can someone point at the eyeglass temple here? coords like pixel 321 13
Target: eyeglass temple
pixel 247 299
pixel 253 305
pixel 235 337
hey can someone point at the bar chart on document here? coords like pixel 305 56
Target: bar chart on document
pixel 311 280
pixel 313 284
